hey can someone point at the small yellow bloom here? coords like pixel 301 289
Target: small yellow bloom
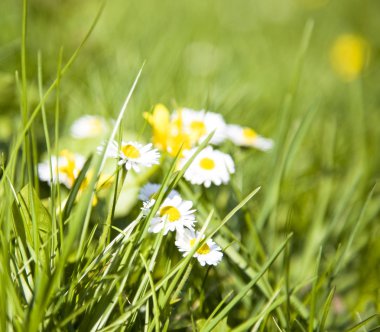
pixel 168 134
pixel 348 56
pixel 159 120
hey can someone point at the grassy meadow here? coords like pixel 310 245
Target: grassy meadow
pixel 298 224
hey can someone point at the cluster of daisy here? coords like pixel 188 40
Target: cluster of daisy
pixel 177 215
pixel 183 130
pixel 179 133
pixel 174 214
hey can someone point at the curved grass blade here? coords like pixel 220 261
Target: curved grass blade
pixel 364 322
pixel 326 308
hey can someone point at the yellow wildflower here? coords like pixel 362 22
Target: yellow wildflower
pixel 348 56
pixel 168 134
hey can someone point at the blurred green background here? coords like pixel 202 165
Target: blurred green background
pixel 238 58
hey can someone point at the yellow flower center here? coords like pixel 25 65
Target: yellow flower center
pixel 130 151
pixel 198 129
pixel 171 212
pixel 207 163
pixel 203 249
pixel 249 134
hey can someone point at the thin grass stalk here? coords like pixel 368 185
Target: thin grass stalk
pixel 156 308
pixel 120 179
pixel 54 239
pixel 56 150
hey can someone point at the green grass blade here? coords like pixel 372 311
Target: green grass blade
pixel 156 308
pixel 326 309
pixel 245 290
pixel 363 323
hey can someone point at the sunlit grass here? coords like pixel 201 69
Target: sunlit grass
pixel 297 225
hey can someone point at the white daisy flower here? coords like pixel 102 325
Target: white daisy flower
pixel 65 167
pixel 208 253
pixel 209 166
pixel 147 191
pixel 199 124
pixel 133 155
pixel 245 136
pixel 174 214
pixel 89 126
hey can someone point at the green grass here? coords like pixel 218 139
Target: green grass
pixel 298 225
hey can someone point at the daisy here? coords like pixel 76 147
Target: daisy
pixel 245 136
pixel 199 124
pixel 89 126
pixel 66 168
pixel 209 166
pixel 208 253
pixel 174 214
pixel 133 155
pixel 150 189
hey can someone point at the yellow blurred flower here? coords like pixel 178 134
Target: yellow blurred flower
pixel 66 169
pixel 348 56
pixel 104 181
pixel 168 134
